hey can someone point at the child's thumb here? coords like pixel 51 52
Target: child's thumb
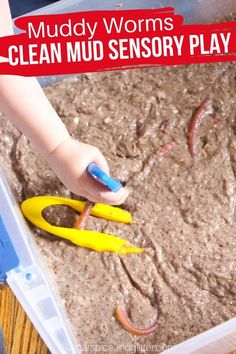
pixel 102 162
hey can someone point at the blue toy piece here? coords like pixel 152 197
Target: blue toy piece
pixel 101 176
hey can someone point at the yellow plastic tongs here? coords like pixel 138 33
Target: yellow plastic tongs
pixel 32 209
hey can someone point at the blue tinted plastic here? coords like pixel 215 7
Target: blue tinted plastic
pixel 8 256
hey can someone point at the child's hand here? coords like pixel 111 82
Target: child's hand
pixel 70 160
pixel 25 104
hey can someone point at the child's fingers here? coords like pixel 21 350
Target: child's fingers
pixel 101 162
pixel 109 200
pixel 97 193
pixel 115 198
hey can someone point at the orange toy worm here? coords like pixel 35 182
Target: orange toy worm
pixel 81 222
pixel 122 317
pixel 196 121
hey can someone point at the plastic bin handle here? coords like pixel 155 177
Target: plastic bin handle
pixel 101 176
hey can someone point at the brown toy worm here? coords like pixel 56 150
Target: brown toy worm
pixel 81 222
pixel 195 122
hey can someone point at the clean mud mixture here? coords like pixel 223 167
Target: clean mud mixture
pixel 184 208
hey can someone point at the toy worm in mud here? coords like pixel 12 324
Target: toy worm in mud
pixel 122 317
pixel 166 149
pixel 81 222
pixel 195 122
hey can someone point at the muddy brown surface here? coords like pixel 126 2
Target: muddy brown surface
pixel 184 207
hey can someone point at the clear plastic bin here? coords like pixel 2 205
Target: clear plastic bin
pixel 20 267
pixel 221 339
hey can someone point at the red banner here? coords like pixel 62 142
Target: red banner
pixel 112 40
